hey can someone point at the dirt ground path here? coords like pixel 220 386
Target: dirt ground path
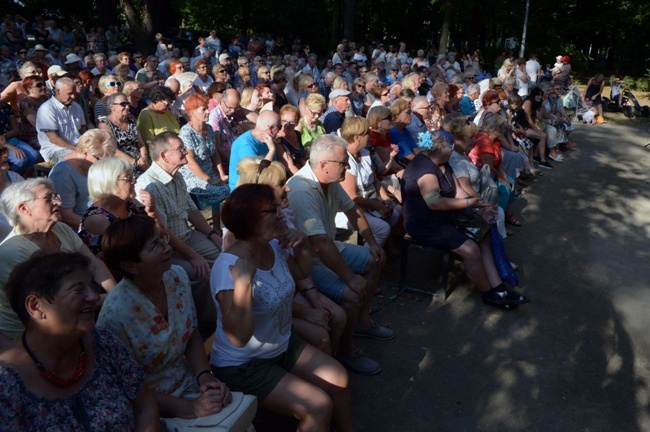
pixel 577 357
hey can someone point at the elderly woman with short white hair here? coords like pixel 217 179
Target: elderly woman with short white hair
pixel 70 175
pixel 32 208
pixel 111 186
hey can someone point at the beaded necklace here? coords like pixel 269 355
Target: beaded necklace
pixel 49 375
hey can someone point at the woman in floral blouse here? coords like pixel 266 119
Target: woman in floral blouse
pixel 152 312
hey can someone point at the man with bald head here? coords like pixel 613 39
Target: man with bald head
pixel 255 142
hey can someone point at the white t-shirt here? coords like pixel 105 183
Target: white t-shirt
pixel 532 69
pixel 521 85
pixel 272 304
pixel 365 176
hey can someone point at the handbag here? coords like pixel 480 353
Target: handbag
pixel 471 224
pixel 489 190
pixel 236 417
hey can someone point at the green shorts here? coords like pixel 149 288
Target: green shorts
pixel 259 377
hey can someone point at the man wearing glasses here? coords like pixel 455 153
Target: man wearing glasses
pixel 346 273
pixel 334 116
pixel 150 76
pixel 195 249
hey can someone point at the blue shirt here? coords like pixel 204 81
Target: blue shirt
pixel 467 107
pixel 244 146
pixel 333 120
pixel 404 141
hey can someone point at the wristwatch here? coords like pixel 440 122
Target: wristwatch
pixel 212 232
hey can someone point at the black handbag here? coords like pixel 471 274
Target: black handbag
pixel 472 225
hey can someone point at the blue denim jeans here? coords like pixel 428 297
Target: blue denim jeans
pixel 31 157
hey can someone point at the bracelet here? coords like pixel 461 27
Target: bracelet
pixel 212 232
pixel 309 287
pixel 207 371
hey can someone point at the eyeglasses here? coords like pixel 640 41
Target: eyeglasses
pixel 386 118
pixel 129 179
pixel 50 197
pixel 315 114
pixel 264 164
pixel 180 149
pixel 113 84
pixel 289 122
pixel 161 244
pixel 275 211
pixel 360 86
pixel 167 103
pixel 123 104
pixel 312 85
pixel 423 108
pixel 385 94
pixel 407 112
pixel 22 52
pixel 38 85
pixel 78 83
pixel 344 163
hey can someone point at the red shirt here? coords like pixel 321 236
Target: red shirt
pixel 484 145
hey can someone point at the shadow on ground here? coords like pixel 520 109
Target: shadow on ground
pixel 575 358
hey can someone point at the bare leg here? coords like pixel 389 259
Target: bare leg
pixel 295 397
pixel 328 375
pixel 471 255
pixel 372 274
pixel 488 263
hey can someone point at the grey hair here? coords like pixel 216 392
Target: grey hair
pixel 63 82
pixel 20 192
pixel 473 88
pixel 110 100
pixel 161 143
pixel 103 174
pixel 324 144
pixel 492 122
pixel 25 66
pixel 510 80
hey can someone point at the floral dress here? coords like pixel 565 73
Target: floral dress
pixel 158 344
pixel 203 148
pixel 104 403
pixel 94 242
pixel 127 140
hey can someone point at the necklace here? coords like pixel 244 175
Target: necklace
pixel 49 375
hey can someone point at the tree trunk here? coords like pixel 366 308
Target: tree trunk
pixel 446 25
pixel 336 23
pixel 348 19
pixel 140 24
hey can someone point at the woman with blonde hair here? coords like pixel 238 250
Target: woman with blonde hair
pixel 362 185
pixel 133 91
pixel 310 125
pixel 70 174
pixel 306 86
pixel 122 71
pixel 108 84
pixel 250 103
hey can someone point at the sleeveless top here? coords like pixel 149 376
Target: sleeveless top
pixel 94 242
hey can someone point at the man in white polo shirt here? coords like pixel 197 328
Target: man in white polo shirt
pixel 60 122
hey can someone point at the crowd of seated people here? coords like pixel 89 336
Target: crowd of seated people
pixel 282 146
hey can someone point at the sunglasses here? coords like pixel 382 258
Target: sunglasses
pixel 38 85
pixel 313 85
pixel 122 104
pixel 113 84
pixel 264 164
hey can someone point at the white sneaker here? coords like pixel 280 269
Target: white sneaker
pixel 558 158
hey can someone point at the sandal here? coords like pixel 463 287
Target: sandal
pixel 512 220
pixel 509 232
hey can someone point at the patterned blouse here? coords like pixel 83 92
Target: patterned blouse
pixel 94 242
pixel 103 404
pixel 158 345
pixel 127 140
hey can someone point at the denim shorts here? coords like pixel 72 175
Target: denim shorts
pixel 329 283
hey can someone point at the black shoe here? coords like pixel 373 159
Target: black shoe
pixel 545 165
pixel 504 299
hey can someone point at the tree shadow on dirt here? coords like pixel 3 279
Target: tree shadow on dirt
pixel 574 358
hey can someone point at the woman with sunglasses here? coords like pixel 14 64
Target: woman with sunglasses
pixel 310 125
pixel 122 126
pixel 111 187
pixel 359 100
pixel 306 86
pixel 215 94
pixel 36 95
pixel 108 84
